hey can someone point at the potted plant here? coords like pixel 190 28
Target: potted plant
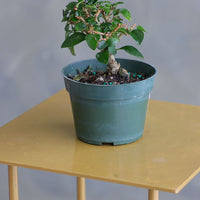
pixel 109 96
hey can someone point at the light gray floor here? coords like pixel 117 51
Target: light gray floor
pixel 31 61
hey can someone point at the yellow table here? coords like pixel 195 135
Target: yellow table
pixel 166 158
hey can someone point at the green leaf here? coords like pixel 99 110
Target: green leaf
pixel 112 50
pixel 102 45
pixel 91 1
pixel 103 56
pixel 112 41
pixel 97 36
pixel 105 9
pixel 64 19
pixel 101 2
pixel 67 27
pixel 117 19
pixel 71 5
pixel 118 3
pixel 77 5
pixel 106 27
pixel 97 28
pixel 65 12
pixel 105 24
pixel 80 26
pixel 67 34
pixel 137 35
pixel 132 50
pixel 90 6
pixel 73 40
pixel 122 30
pixel 72 50
pixel 108 5
pixel 140 28
pixel 91 41
pixel 116 12
pixel 73 18
pixel 91 21
pixel 125 13
pixel 95 1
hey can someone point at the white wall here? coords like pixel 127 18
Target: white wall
pixel 31 60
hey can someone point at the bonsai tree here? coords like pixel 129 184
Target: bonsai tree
pixel 100 24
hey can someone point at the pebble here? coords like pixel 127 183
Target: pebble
pixel 70 76
pixel 101 78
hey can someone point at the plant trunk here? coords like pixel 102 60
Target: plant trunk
pixel 114 67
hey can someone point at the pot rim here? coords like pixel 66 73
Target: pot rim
pixel 120 85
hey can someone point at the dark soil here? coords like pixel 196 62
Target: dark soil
pixel 106 78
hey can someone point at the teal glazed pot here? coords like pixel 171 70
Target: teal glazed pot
pixel 113 114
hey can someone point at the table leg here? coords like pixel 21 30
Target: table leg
pixel 153 195
pixel 81 188
pixel 13 182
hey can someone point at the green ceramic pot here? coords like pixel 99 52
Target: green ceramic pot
pixel 113 114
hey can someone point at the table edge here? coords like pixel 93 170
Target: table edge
pixel 170 190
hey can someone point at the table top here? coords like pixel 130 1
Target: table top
pixel 166 158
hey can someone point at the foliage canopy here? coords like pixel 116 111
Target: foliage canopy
pixel 100 24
